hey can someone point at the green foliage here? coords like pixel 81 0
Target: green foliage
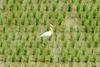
pixel 78 8
pixel 84 7
pixel 69 8
pixel 75 31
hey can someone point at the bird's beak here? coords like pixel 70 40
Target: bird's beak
pixel 51 25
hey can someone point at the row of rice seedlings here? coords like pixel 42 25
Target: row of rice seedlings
pixel 46 55
pixel 15 58
pixel 27 38
pixel 89 21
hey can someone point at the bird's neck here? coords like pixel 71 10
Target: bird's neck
pixel 51 30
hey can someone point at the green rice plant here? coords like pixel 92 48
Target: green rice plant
pixel 54 6
pixel 29 20
pixel 84 7
pixel 86 58
pixel 3 51
pixel 27 59
pixel 91 8
pixel 45 20
pixel 1 44
pixel 56 65
pixel 8 65
pixel 86 28
pixel 94 14
pixel 78 58
pixel 25 65
pixel 57 1
pixel 89 44
pixel 31 43
pixel 47 8
pixel 37 19
pixel 4 6
pixel 4 29
pixel 72 43
pixel 86 65
pixel 1 22
pixel 98 7
pixel 83 20
pixel 71 29
pixel 65 43
pixel 34 51
pixel 63 37
pixel 51 59
pixel 60 19
pixel 16 65
pixel 72 1
pixel 97 22
pixel 27 37
pixel 6 37
pixel 70 64
pixel 13 36
pixel 64 14
pixel 71 58
pixel 78 7
pixel 64 58
pixel 50 14
pixel 39 6
pixel 9 20
pixel 92 29
pixel 94 1
pixel 7 1
pixel 32 65
pixel 69 7
pixel 18 50
pixel 87 14
pixel 80 14
pixel 20 58
pixel 13 58
pixel 43 58
pixel 93 58
pixel 80 1
pixel 90 21
pixel 93 64
pixel 5 58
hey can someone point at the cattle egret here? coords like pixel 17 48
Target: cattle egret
pixel 48 33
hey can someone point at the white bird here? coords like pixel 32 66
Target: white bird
pixel 47 34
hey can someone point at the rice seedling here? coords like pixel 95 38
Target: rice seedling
pixel 8 65
pixel 80 1
pixel 94 14
pixel 87 14
pixel 80 14
pixel 84 7
pixel 56 65
pixel 69 7
pixel 32 65
pixel 98 7
pixel 94 1
pixel 93 64
pixel 83 21
pixel 78 7
pixel 91 7
pixel 75 38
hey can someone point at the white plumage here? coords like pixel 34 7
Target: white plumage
pixel 48 33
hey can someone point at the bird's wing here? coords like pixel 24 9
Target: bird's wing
pixel 46 34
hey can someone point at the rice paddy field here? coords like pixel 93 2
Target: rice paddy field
pixel 75 41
